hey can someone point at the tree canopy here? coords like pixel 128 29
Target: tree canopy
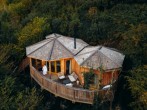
pixel 121 24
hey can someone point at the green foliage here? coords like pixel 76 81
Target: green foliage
pixel 6 91
pixel 20 7
pixel 27 99
pixel 138 86
pixel 116 23
pixel 134 43
pixel 88 78
pixel 5 65
pixel 31 32
pixel 99 104
pixel 12 98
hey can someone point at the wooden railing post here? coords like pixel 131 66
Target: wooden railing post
pixel 74 95
pixel 56 91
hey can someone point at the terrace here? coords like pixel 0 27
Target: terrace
pixel 57 87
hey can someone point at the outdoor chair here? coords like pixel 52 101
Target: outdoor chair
pixel 73 77
pixel 61 75
pixel 69 85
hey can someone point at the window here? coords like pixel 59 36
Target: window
pixel 55 66
pixel 38 65
pixel 52 66
pixel 33 62
pixel 48 66
pixel 58 66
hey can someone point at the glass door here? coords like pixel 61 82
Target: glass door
pixel 68 67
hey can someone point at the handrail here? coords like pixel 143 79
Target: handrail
pixel 71 93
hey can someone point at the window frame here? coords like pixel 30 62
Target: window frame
pixel 55 66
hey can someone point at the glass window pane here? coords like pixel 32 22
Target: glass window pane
pixel 52 66
pixel 38 65
pixel 58 66
pixel 34 62
pixel 48 65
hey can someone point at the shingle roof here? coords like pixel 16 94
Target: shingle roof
pixel 68 42
pixel 84 54
pixel 34 47
pixel 43 52
pixel 94 57
pixel 56 46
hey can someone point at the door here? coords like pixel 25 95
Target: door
pixel 68 67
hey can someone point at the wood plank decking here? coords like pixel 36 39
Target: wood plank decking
pixel 70 93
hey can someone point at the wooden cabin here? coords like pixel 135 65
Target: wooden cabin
pixel 66 55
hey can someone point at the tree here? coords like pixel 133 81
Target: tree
pixel 134 44
pixel 32 32
pixel 138 86
pixel 12 95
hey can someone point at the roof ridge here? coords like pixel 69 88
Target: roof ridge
pixel 108 58
pixel 88 58
pixel 80 51
pixel 97 50
pixel 65 47
pixel 90 50
pixel 71 39
pixel 52 49
pixel 86 52
pixel 53 35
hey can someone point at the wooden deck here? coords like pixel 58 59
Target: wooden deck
pixel 70 93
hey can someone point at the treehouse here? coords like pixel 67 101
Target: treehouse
pixel 68 61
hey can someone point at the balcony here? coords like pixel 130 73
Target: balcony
pixel 73 94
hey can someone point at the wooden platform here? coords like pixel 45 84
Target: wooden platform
pixel 73 94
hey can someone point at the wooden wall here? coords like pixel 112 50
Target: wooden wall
pixel 43 63
pixel 106 77
pixel 63 66
pixel 77 69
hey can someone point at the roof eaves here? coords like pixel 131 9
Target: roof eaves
pixel 113 49
pixel 40 47
pixel 38 42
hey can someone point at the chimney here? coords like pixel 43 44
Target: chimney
pixel 74 42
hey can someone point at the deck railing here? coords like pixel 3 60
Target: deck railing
pixel 71 93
